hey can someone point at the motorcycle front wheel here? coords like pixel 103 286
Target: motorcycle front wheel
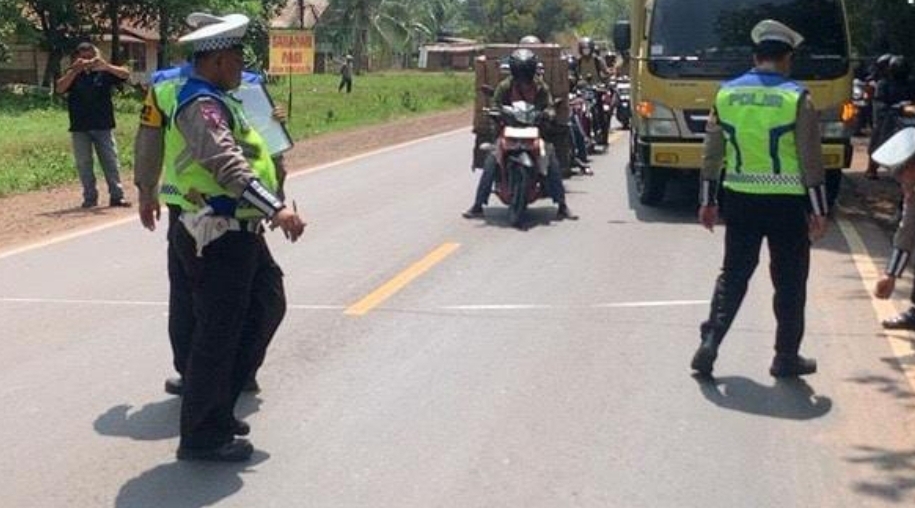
pixel 518 205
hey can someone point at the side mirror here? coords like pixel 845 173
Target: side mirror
pixel 622 35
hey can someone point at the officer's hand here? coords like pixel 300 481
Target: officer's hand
pixel 885 287
pixel 149 213
pixel 818 225
pixel 291 224
pixel 708 217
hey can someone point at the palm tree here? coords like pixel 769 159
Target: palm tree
pixel 388 26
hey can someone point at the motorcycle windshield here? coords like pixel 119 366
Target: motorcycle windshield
pixel 523 113
pixel 710 39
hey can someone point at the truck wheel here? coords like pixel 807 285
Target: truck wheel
pixel 650 184
pixel 633 160
pixel 833 185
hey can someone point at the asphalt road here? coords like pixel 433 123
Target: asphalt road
pixel 431 361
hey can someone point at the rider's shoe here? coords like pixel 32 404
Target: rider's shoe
pixel 475 212
pixel 564 213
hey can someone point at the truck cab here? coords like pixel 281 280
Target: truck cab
pixel 680 51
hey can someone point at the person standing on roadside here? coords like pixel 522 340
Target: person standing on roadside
pixel 88 83
pixel 897 155
pixel 346 74
pixel 764 131
pixel 222 168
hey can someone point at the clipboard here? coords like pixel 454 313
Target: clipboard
pixel 258 107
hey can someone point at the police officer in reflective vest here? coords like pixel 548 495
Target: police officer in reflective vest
pixel 149 154
pixel 222 170
pixel 898 154
pixel 764 132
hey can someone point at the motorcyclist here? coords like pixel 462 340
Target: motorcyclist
pixel 895 87
pixel 589 66
pixel 610 62
pixel 523 84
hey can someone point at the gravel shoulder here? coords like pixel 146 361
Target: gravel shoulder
pixel 43 214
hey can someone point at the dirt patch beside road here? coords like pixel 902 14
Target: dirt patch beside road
pixel 39 215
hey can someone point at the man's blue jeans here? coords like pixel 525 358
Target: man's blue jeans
pixel 107 151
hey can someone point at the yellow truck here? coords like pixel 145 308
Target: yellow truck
pixel 680 51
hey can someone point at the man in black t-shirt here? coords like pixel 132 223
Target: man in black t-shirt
pixel 88 83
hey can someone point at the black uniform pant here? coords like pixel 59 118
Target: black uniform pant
pixel 182 270
pixel 239 302
pixel 180 301
pixel 782 221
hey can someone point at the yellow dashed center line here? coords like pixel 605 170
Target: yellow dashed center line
pixel 391 287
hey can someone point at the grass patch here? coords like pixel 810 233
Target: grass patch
pixel 36 154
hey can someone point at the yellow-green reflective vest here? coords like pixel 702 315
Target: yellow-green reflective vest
pixel 166 95
pixel 185 176
pixel 758 116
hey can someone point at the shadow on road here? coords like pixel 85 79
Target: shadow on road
pixel 790 399
pixel 895 469
pixel 156 420
pixel 186 484
pixel 537 215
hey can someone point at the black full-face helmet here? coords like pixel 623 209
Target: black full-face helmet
pixel 523 64
pixel 898 68
pixel 585 46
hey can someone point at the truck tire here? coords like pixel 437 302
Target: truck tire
pixel 650 183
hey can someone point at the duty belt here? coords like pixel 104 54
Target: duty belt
pixel 250 226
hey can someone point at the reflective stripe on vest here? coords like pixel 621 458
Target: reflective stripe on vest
pixel 758 115
pixel 186 177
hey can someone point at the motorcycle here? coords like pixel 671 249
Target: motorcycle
pixel 602 113
pixel 582 101
pixel 624 103
pixel 521 157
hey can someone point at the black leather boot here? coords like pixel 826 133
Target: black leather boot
pixel 904 321
pixel 238 450
pixel 704 359
pixel 792 366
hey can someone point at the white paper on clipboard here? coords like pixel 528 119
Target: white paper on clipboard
pixel 259 109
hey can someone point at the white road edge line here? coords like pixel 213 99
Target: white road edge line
pixel 292 174
pixel 139 303
pixel 618 305
pixel 494 307
pixel 899 341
